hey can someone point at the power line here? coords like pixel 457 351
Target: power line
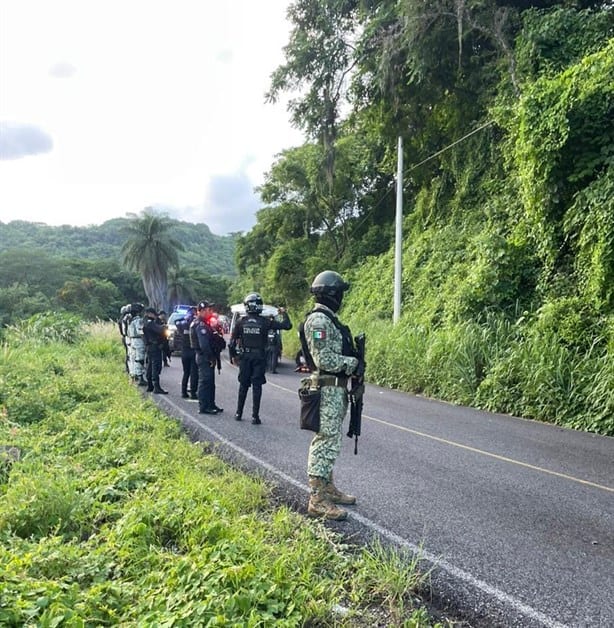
pixel 439 152
pixel 443 150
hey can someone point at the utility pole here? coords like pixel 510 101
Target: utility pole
pixel 398 235
pixel 398 243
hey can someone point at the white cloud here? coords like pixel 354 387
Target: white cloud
pixel 160 104
pixel 19 140
pixel 62 69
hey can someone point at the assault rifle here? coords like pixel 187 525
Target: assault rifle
pixel 357 391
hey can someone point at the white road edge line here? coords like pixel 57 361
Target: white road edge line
pixel 456 572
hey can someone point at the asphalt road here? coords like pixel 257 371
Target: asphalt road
pixel 514 517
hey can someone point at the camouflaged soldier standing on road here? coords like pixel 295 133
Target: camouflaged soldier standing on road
pixel 137 344
pixel 332 353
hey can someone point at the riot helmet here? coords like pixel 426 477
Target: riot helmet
pixel 328 288
pixel 136 308
pixel 253 303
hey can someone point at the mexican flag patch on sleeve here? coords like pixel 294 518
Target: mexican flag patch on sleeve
pixel 319 334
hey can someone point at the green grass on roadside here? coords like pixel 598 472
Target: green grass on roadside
pixel 110 516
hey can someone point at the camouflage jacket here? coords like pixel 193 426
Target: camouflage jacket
pixel 326 343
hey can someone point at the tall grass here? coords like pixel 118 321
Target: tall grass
pixel 501 364
pixel 112 517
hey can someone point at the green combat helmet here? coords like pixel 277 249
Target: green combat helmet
pixel 328 288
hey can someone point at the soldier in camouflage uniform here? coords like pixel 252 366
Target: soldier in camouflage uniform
pixel 332 357
pixel 137 344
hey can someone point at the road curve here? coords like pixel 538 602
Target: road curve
pixel 514 517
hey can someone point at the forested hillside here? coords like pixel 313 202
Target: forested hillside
pixel 506 110
pixel 213 254
pixel 80 269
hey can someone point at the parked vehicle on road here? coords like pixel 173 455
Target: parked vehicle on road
pixel 174 341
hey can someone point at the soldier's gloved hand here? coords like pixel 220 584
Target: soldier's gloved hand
pixel 351 364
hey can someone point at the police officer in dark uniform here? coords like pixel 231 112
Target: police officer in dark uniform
pixel 188 356
pixel 248 342
pixel 154 334
pixel 201 340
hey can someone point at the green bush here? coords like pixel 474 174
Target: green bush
pixel 45 328
pixel 43 501
pixel 100 525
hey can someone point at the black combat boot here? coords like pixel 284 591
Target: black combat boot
pixel 256 397
pixel 241 402
pixel 158 390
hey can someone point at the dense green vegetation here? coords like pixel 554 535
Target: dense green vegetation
pixel 508 256
pixel 212 254
pixel 110 516
pixel 506 110
pixel 80 270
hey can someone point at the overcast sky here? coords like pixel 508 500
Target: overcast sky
pixel 110 106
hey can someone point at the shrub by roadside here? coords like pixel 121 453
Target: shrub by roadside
pixel 111 516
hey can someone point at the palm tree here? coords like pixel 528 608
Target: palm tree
pixel 151 251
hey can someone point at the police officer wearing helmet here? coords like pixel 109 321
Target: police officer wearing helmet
pixel 248 340
pixel 154 334
pixel 332 358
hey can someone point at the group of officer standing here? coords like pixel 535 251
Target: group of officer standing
pixel 328 346
pixel 145 338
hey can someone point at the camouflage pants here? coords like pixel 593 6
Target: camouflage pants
pixel 137 357
pixel 129 358
pixel 326 444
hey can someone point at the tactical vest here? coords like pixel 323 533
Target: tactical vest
pixel 194 334
pixel 216 340
pixel 253 333
pixel 347 344
pixel 135 328
pixel 150 336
